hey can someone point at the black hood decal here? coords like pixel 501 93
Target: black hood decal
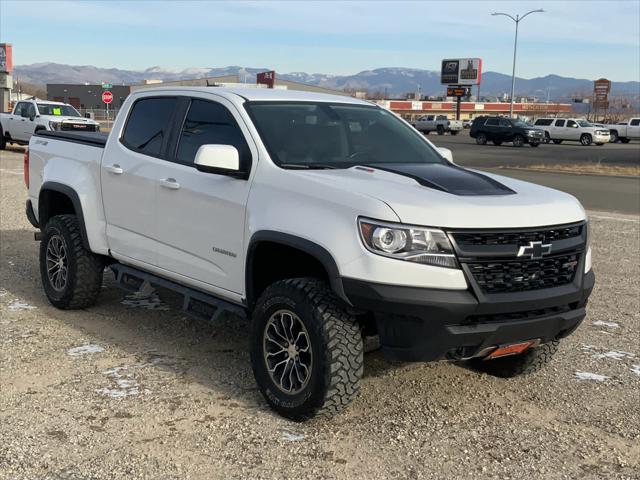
pixel 447 178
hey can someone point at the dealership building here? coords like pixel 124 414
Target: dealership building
pixel 89 97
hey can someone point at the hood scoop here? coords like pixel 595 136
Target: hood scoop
pixel 447 178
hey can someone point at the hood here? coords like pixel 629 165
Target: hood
pixel 78 120
pixel 454 197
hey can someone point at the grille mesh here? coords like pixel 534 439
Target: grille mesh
pixel 519 276
pixel 517 238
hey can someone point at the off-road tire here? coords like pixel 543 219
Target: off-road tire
pixel 84 268
pixel 497 143
pixel 524 364
pixel 557 142
pixel 481 139
pixel 336 346
pixel 518 141
pixel 585 139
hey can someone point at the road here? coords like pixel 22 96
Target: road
pixel 467 153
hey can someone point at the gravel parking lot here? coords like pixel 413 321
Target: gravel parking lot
pixel 132 388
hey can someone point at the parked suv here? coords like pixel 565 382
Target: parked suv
pixel 558 130
pixel 323 218
pixel 501 129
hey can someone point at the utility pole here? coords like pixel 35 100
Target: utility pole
pixel 517 19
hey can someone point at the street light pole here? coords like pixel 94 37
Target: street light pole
pixel 517 19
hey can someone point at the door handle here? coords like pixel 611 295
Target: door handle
pixel 170 183
pixel 115 169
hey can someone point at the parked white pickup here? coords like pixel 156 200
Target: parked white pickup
pixel 625 131
pixel 30 116
pixel 437 123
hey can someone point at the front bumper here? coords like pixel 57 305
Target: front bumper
pixel 418 324
pixel 601 138
pixel 536 137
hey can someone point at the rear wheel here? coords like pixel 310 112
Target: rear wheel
pixel 440 130
pixel 497 142
pixel 306 349
pixel 557 142
pixel 481 139
pixel 526 363
pixel 71 274
pixel 518 141
pixel 585 139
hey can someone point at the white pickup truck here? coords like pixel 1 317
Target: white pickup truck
pixel 30 116
pixel 437 123
pixel 325 219
pixel 625 131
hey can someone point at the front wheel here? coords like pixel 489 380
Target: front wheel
pixel 71 274
pixel 585 139
pixel 440 130
pixel 518 141
pixel 613 136
pixel 526 363
pixel 547 137
pixel 3 140
pixel 454 132
pixel 306 349
pixel 481 139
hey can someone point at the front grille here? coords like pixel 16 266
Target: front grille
pixel 78 127
pixel 517 238
pixel 520 276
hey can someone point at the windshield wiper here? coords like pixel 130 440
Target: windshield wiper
pixel 308 166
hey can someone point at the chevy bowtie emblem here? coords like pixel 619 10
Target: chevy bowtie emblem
pixel 535 250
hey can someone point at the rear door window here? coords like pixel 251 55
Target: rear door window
pixel 210 123
pixel 559 123
pixel 492 122
pixel 148 125
pixel 505 123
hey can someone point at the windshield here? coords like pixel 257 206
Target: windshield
pixel 332 135
pixel 583 123
pixel 57 110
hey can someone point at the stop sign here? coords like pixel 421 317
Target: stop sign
pixel 107 97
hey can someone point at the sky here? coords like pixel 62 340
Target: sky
pixel 580 38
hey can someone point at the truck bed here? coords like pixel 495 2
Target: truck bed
pixel 94 139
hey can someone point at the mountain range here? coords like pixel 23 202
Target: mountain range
pixel 394 82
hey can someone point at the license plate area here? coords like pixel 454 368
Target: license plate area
pixel 512 349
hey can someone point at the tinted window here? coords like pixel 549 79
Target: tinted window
pixel 544 121
pixel 571 123
pixel 148 125
pixel 209 123
pixel 492 122
pixel 20 107
pixel 559 123
pixel 635 122
pixel 505 123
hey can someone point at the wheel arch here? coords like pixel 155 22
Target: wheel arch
pixel 57 199
pixel 302 249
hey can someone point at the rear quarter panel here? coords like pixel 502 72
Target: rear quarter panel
pixel 78 167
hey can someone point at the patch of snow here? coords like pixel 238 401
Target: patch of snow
pixel 600 323
pixel 636 369
pixel 84 350
pixel 615 355
pixel 591 376
pixel 124 387
pixel 17 306
pixel 292 437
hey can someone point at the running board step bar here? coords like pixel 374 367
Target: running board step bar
pixel 195 303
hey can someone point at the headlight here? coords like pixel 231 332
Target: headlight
pixel 403 242
pixel 54 125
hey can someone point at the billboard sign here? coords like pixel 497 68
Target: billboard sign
pixel 461 71
pixel 6 57
pixel 601 89
pixel 266 78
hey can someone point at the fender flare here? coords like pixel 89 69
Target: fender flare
pixel 316 251
pixel 43 208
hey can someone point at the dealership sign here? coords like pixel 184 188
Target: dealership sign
pixel 601 89
pixel 6 57
pixel 461 71
pixel 266 78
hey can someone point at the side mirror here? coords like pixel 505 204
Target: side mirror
pixel 219 159
pixel 446 153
